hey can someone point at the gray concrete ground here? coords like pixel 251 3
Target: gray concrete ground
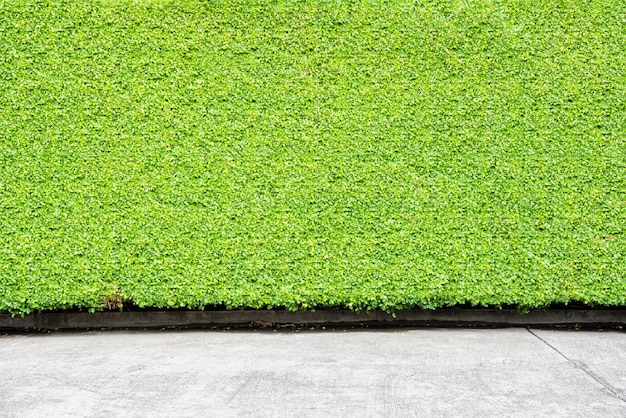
pixel 389 373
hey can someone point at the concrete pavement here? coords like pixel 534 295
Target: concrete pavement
pixel 338 373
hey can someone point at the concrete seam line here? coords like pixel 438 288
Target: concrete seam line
pixel 581 366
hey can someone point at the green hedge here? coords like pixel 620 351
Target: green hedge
pixel 307 154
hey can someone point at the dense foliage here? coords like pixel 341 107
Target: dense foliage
pixel 301 154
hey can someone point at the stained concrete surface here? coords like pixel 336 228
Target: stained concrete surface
pixel 386 373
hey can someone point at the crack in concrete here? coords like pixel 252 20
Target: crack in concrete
pixel 240 389
pixel 582 366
